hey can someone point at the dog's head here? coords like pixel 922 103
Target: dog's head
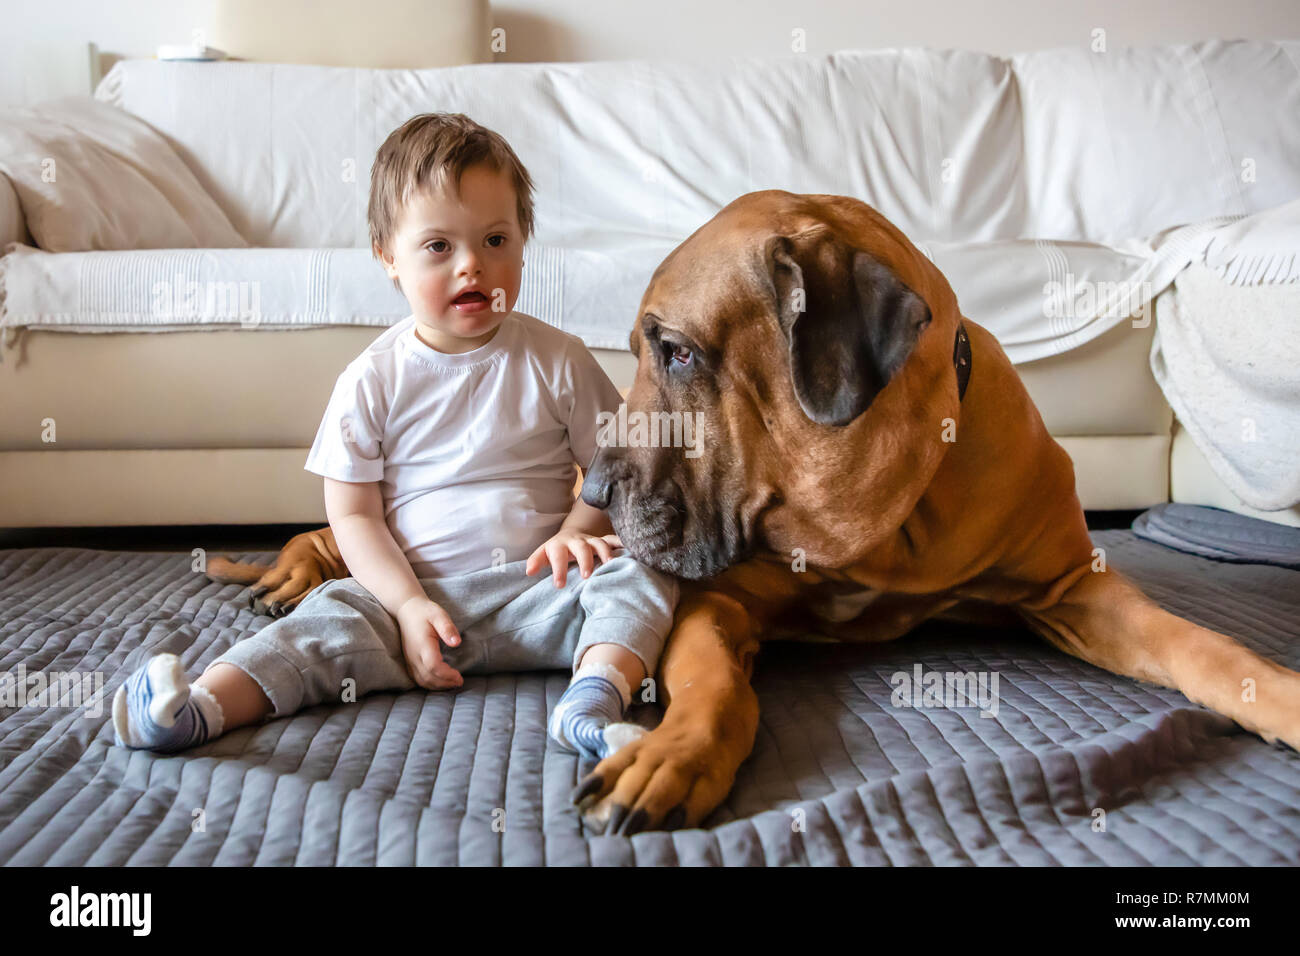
pixel 784 363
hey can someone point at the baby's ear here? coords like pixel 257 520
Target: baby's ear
pixel 386 260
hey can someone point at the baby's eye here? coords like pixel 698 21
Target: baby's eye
pixel 438 245
pixel 496 245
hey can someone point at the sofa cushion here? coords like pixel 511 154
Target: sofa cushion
pixel 13 227
pixel 92 176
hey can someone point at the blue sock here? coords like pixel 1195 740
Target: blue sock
pixel 157 709
pixel 588 717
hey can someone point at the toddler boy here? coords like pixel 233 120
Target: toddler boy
pixel 448 451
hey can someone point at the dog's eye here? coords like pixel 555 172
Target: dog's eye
pixel 676 357
pixel 677 354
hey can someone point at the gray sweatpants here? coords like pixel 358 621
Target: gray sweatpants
pixel 507 621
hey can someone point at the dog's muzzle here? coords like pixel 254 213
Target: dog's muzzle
pixel 655 524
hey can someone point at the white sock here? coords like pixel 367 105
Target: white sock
pixel 588 717
pixel 158 709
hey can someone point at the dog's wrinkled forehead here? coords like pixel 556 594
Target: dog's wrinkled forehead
pixel 722 267
pixel 714 272
pixel 691 290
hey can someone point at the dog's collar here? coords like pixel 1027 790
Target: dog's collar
pixel 961 359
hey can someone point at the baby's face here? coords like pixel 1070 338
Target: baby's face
pixel 445 244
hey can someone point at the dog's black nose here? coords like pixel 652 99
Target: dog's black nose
pixel 598 483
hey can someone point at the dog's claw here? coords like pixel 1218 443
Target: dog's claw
pixel 590 784
pixel 635 823
pixel 616 816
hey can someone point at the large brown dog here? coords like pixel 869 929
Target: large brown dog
pixel 869 456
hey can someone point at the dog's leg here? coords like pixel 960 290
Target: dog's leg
pixel 1106 620
pixel 306 562
pixel 887 618
pixel 678 773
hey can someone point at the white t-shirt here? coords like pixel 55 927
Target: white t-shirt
pixel 474 451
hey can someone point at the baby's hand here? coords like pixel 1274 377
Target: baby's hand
pixel 422 622
pixel 568 544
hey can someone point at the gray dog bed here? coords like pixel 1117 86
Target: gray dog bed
pixel 1077 766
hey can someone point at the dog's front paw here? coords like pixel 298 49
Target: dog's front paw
pixel 669 777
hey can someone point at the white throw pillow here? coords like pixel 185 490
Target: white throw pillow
pixel 92 176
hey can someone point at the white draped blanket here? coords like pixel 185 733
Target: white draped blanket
pixel 1227 355
pixel 178 289
pixel 1040 298
pixel 952 146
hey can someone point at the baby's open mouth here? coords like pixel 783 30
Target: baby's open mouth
pixel 469 297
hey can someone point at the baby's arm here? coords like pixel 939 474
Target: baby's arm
pixel 586 532
pixel 356 514
pixel 583 517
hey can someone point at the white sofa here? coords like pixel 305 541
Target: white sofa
pixel 1004 170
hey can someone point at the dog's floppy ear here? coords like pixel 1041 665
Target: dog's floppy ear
pixel 850 321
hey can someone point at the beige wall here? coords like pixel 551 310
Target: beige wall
pixel 579 30
pixel 43 45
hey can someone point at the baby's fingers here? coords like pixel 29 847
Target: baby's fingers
pixel 535 560
pixel 559 556
pixel 443 626
pixel 434 673
pixel 444 677
pixel 602 548
pixel 586 560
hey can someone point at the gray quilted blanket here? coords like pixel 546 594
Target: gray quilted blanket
pixel 1076 766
